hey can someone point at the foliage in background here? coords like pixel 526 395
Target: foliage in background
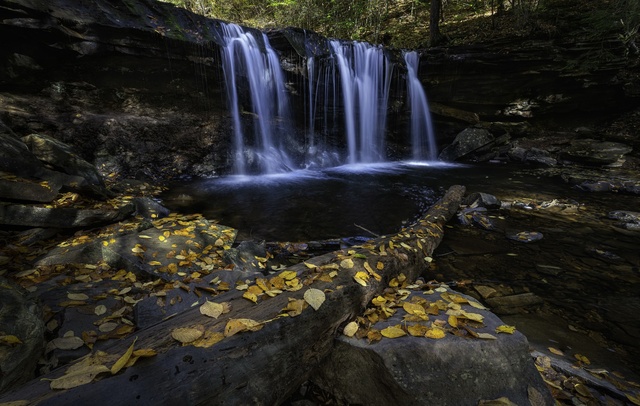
pixel 405 23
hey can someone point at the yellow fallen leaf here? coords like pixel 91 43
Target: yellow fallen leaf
pixel 555 351
pixel 310 266
pixel 378 300
pixel 582 359
pixel 350 329
pixel 145 352
pixel 487 336
pixel 506 329
pixel 477 305
pixel 373 273
pixel 209 339
pixel 635 399
pixel 435 333
pixel 453 321
pixel 417 330
pixel 413 308
pixel 380 266
pixel 121 362
pixel 255 289
pixel 211 309
pixel 100 310
pixel 80 376
pixel 295 307
pixel 346 263
pixel 315 298
pixel 250 296
pixel 9 340
pixel 187 335
pixel 235 326
pixel 288 275
pixel 393 332
pixel 77 296
pixel 361 277
pixel 155 263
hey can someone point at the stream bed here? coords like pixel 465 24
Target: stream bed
pixel 585 270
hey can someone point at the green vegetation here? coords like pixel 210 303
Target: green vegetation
pixel 405 23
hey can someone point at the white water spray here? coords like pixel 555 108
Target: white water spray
pixel 243 57
pixel 423 141
pixel 365 79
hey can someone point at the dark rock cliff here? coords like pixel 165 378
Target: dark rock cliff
pixel 136 86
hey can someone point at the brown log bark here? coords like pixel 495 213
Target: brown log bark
pixel 262 367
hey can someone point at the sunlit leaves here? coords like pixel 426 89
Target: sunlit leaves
pixel 315 298
pixel 362 278
pixel 506 329
pixel 417 330
pixel 393 332
pixel 250 296
pixel 435 333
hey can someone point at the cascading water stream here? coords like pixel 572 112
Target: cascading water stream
pixel 423 142
pixel 365 80
pixel 243 57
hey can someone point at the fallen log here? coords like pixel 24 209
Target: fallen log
pixel 261 366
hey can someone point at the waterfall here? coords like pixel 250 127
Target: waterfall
pixel 423 141
pixel 365 78
pixel 258 68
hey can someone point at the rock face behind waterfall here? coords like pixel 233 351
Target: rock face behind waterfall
pixel 135 87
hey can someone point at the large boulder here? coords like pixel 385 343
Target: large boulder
pixel 21 335
pixel 457 369
pixel 594 152
pixel 61 157
pixel 16 188
pixel 16 159
pixel 468 141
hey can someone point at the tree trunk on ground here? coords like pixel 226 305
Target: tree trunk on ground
pixel 264 366
pixel 434 23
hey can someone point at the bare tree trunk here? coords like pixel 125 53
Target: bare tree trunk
pixel 434 23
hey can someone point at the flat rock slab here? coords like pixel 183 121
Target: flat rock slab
pixel 16 188
pixel 457 369
pixel 60 156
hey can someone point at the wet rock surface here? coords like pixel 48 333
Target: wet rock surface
pixel 452 370
pixel 21 335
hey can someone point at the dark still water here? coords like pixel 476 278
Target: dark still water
pixel 313 205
